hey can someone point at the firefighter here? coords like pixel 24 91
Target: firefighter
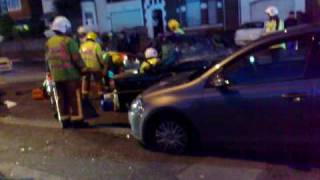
pixel 114 65
pixel 274 24
pixel 152 60
pixel 175 27
pixel 91 53
pixel 64 64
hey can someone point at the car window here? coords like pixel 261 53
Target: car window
pixel 313 66
pixel 279 61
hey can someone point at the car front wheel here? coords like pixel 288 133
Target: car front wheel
pixel 170 136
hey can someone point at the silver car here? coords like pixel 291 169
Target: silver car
pixel 265 94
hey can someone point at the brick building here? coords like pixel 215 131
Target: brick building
pixel 26 13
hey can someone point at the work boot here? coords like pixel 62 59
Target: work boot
pixel 79 124
pixel 65 124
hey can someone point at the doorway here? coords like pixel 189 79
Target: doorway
pixel 158 24
pixel 155 16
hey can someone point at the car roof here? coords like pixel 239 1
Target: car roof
pixel 294 31
pixel 254 24
pixel 290 32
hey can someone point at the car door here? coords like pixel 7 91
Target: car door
pixel 266 98
pixel 310 129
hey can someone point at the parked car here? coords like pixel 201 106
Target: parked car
pixel 248 32
pixel 131 63
pixel 5 64
pixel 194 53
pixel 256 97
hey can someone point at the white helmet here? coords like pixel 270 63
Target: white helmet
pixel 151 53
pixel 61 24
pixel 82 30
pixel 272 11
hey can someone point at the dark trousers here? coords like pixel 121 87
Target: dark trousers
pixel 86 82
pixel 69 101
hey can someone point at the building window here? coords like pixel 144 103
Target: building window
pixel 193 13
pixel 14 5
pixel 202 13
pixel 89 18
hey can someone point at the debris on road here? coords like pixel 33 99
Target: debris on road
pixel 10 104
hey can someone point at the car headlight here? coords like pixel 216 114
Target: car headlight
pixel 126 60
pixel 137 105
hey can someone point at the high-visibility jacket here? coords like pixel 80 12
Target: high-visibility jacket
pixel 114 61
pixel 148 64
pixel 59 51
pixel 91 54
pixel 270 27
pixel 113 57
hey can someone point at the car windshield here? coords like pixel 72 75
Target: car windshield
pixel 196 48
pixel 205 67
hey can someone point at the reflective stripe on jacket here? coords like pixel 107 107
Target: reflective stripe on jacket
pixel 270 27
pixel 148 64
pixel 91 54
pixel 58 57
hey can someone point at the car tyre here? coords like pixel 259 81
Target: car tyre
pixel 170 136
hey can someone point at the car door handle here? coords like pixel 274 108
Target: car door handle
pixel 295 97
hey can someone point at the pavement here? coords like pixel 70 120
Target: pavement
pixel 32 146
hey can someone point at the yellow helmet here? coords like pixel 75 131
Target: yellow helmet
pixel 173 24
pixel 91 36
pixel 116 57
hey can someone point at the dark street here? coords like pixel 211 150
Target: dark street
pixel 160 89
pixel 33 146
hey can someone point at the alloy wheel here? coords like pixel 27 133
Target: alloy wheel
pixel 171 137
